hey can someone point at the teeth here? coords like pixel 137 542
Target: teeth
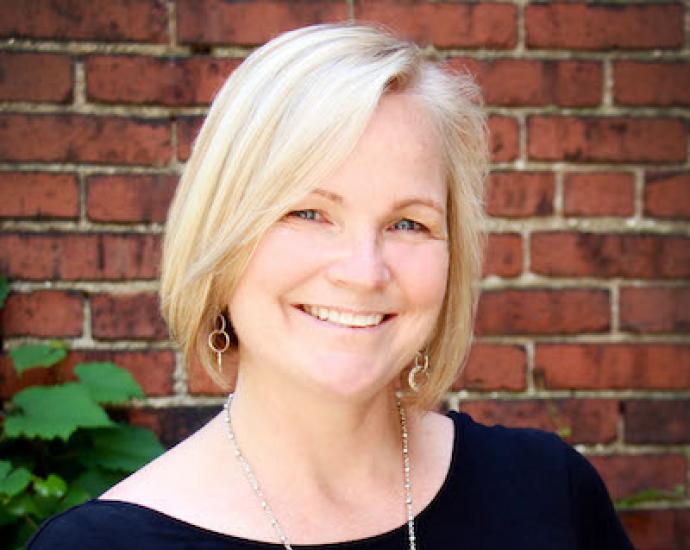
pixel 344 318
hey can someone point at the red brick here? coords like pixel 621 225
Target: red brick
pixel 613 366
pixel 172 424
pixel 543 311
pixel 606 139
pixel 445 24
pixel 169 81
pixel 504 255
pixel 250 22
pixel 628 475
pixel 494 368
pixel 642 421
pixel 127 316
pixel 504 141
pixel 599 194
pixel 11 382
pixel 519 194
pixel 199 382
pixel 582 420
pixel 667 195
pixel 657 529
pixel 655 309
pixel 66 256
pixel 81 138
pixel 38 195
pixel 137 198
pixel 102 20
pixel 641 83
pixel 187 131
pixel 35 77
pixel 518 82
pixel 152 369
pixel 604 27
pixel 567 254
pixel 43 313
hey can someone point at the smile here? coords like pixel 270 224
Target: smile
pixel 344 318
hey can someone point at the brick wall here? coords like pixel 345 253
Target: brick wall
pixel 584 322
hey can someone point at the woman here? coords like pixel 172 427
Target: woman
pixel 326 238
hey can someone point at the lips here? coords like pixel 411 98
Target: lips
pixel 345 318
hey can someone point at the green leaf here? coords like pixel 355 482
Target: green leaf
pixel 74 496
pixel 51 487
pixel 47 412
pixel 125 448
pixel 5 468
pixel 15 482
pixel 28 356
pixel 96 481
pixel 4 289
pixel 107 382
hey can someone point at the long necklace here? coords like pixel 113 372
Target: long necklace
pixel 275 524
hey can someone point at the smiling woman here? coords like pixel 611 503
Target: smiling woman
pixel 327 233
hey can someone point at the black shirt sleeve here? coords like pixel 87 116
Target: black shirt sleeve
pixel 596 521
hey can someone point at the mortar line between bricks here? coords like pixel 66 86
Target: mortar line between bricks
pixel 350 10
pixel 614 296
pixel 240 50
pixel 638 194
pixel 607 84
pixel 158 111
pixel 86 169
pixel 573 395
pixel 171 12
pixel 530 388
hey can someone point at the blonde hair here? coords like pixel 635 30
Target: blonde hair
pixel 283 121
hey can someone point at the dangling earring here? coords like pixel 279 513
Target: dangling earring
pixel 421 367
pixel 219 332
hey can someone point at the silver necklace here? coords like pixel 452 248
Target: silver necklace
pixel 275 524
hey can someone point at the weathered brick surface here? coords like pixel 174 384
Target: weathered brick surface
pixel 504 140
pixel 503 255
pixel 628 475
pixel 577 420
pixel 80 138
pixel 168 81
pixel 129 199
pixel 445 24
pixel 493 368
pixel 667 195
pixel 43 313
pixel 519 82
pixel 64 256
pixel 220 22
pixel 566 253
pixel 35 77
pixel 126 316
pixel 607 139
pixel 38 195
pixel 644 83
pixel 612 366
pixel 173 424
pixel 662 310
pixel 582 26
pixel 599 194
pixel 657 529
pixel 187 130
pixel 519 194
pixel 94 20
pixel 542 311
pixel 642 423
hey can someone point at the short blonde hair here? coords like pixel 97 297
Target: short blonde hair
pixel 284 120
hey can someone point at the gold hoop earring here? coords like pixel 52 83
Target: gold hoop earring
pixel 219 333
pixel 420 368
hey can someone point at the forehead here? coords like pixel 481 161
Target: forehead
pixel 398 154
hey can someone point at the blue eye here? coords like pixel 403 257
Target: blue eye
pixel 408 225
pixel 306 214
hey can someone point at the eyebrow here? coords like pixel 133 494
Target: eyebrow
pixel 412 201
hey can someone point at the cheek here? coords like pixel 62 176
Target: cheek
pixel 422 271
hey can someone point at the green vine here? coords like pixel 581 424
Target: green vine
pixel 58 445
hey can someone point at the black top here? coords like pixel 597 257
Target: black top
pixel 506 488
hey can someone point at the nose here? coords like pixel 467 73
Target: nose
pixel 360 264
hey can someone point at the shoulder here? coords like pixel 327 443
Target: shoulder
pixel 96 524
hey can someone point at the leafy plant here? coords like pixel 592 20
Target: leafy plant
pixel 58 445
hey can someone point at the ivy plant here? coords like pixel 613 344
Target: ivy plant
pixel 59 446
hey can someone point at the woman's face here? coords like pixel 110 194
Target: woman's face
pixel 343 290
